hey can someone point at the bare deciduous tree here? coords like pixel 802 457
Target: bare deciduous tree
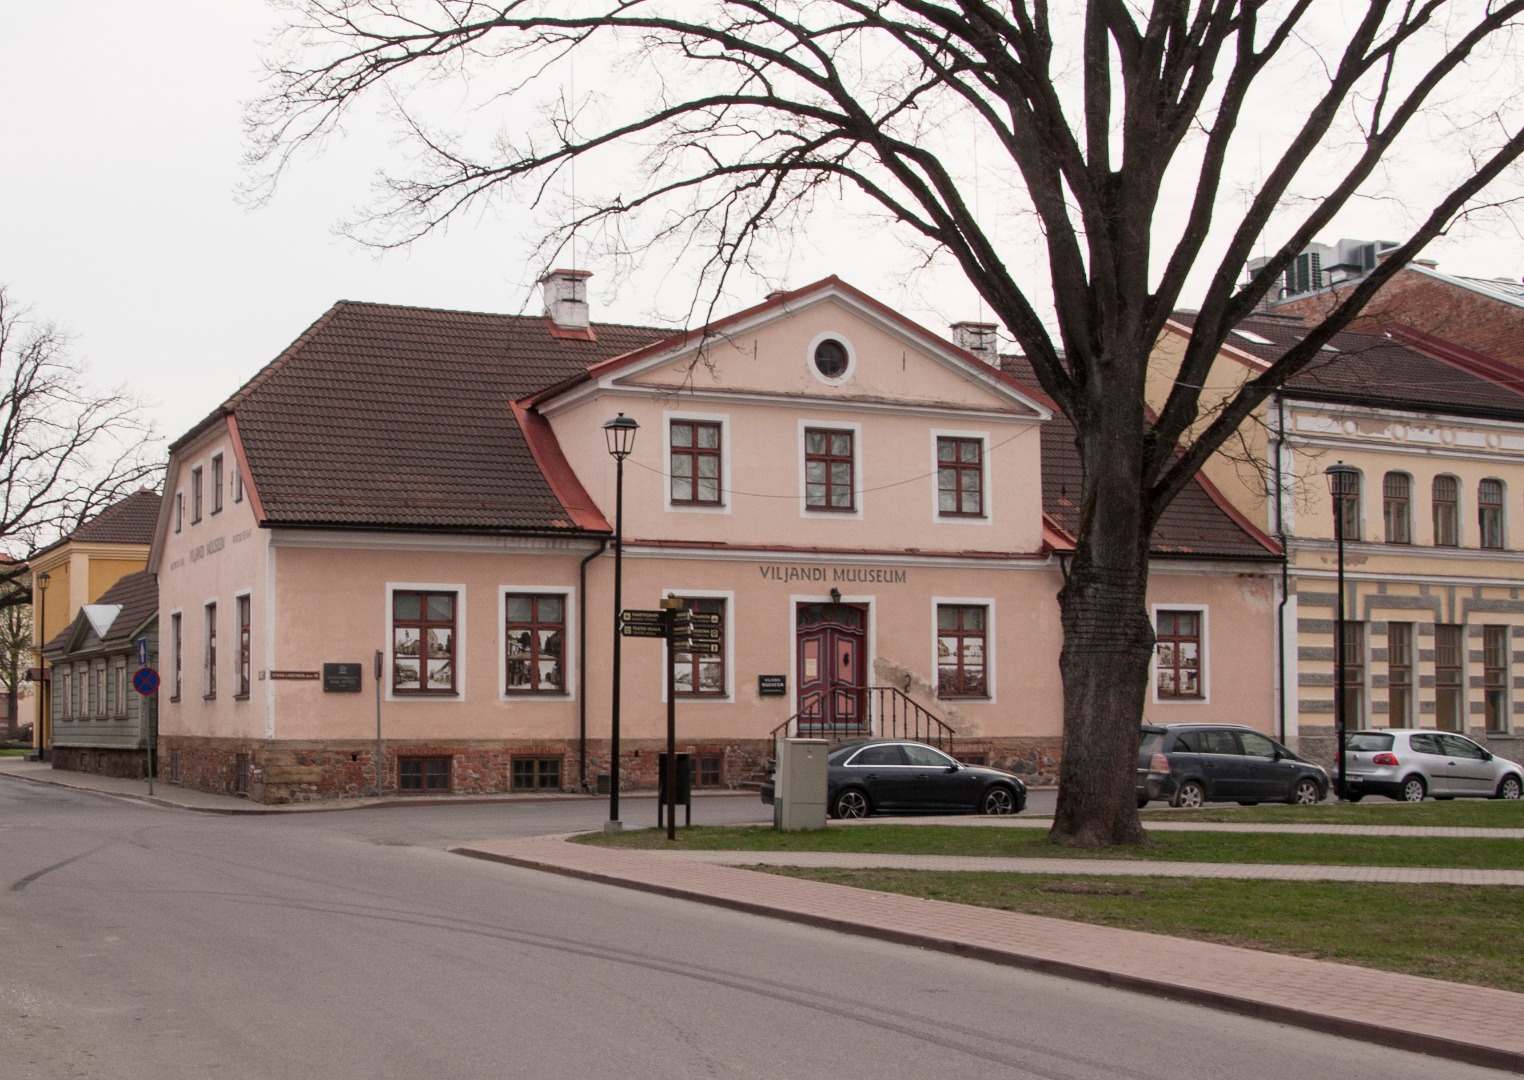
pixel 1116 128
pixel 67 451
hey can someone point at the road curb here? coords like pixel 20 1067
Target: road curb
pixel 1418 1042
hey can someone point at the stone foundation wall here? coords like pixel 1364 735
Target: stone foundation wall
pixel 126 764
pixel 310 772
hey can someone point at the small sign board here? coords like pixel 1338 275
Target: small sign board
pixel 341 678
pixel 702 618
pixel 703 633
pixel 772 685
pixel 702 648
pixel 643 630
pixel 303 675
pixel 637 617
pixel 145 680
pixel 142 652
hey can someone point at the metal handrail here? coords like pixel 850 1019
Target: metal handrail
pixel 892 714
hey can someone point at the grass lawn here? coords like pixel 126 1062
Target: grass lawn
pixel 1482 853
pixel 1460 933
pixel 1459 813
pixel 14 751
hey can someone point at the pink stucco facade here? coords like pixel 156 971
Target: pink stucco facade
pixel 760 554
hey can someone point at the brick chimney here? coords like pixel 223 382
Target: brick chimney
pixel 979 338
pixel 566 301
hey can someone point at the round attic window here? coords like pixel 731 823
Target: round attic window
pixel 831 358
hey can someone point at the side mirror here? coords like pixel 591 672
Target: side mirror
pixel 954 767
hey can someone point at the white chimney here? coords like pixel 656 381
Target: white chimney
pixel 566 298
pixel 979 338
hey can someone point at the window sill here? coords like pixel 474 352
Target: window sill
pixel 240 697
pixel 208 697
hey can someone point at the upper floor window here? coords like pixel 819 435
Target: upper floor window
pixel 1177 655
pixel 828 468
pixel 831 358
pixel 960 477
pixel 1397 507
pixel 1349 508
pixel 1489 513
pixel 962 650
pixel 216 483
pixel 1446 511
pixel 196 494
pixel 177 662
pixel 423 642
pixel 535 633
pixel 237 484
pixel 179 510
pixel 695 462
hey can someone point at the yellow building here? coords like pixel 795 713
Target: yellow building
pixel 78 569
pixel 1433 567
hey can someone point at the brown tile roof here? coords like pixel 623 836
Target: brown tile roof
pixel 139 596
pixel 1367 369
pixel 396 417
pixel 1197 523
pixel 127 521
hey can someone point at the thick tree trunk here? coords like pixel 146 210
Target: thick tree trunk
pixel 1108 640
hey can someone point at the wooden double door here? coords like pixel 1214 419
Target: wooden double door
pixel 831 640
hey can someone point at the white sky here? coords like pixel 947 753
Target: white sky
pixel 118 170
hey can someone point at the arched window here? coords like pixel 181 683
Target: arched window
pixel 1446 511
pixel 1489 513
pixel 1397 507
pixel 1349 506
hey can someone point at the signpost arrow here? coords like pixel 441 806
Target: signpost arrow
pixel 703 633
pixel 700 618
pixel 633 616
pixel 643 630
pixel 701 648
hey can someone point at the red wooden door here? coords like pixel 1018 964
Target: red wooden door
pixel 831 649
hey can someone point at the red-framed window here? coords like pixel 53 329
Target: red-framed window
pixel 702 674
pixel 423 642
pixel 960 477
pixel 421 775
pixel 962 650
pixel 1177 656
pixel 828 470
pixel 535 634
pixel 695 463
pixel 244 648
pixel 536 774
pixel 209 674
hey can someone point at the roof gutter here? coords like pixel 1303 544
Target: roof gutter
pixel 1280 533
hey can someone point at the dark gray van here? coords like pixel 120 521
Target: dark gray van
pixel 1192 764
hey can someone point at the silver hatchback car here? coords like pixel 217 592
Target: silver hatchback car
pixel 1410 764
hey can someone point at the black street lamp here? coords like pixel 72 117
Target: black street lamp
pixel 620 433
pixel 1344 486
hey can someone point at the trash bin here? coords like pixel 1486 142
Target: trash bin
pixel 604 784
pixel 684 786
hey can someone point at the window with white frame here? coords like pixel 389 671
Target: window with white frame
pixel 196 494
pixel 245 647
pixel 960 476
pixel 177 666
pixel 1178 655
pixel 702 674
pixel 209 656
pixel 829 469
pixel 962 650
pixel 216 483
pixel 1489 513
pixel 695 462
pixel 424 641
pixel 1397 507
pixel 534 633
pixel 1446 506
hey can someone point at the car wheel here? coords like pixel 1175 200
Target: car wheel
pixel 998 800
pixel 1510 788
pixel 1414 789
pixel 1304 792
pixel 1191 795
pixel 852 803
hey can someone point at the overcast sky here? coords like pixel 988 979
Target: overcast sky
pixel 121 160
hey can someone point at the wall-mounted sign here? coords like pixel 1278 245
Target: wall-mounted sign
pixel 313 675
pixel 341 678
pixel 772 685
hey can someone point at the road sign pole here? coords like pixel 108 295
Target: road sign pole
pixel 671 731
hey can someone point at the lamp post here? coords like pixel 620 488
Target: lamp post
pixel 620 434
pixel 1344 486
pixel 43 726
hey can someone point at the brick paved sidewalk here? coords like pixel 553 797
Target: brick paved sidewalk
pixel 1453 1021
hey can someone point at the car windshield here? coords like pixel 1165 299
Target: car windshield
pixel 1367 742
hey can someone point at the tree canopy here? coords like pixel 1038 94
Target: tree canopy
pixel 1116 137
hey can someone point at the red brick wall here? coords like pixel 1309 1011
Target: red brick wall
pixel 1489 326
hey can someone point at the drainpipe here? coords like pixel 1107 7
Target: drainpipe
pixel 603 544
pixel 1280 534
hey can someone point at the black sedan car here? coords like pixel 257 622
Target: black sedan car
pixel 894 776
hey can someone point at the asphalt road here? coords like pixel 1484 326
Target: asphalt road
pixel 141 942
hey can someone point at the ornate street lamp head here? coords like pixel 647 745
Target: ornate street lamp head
pixel 1343 480
pixel 620 433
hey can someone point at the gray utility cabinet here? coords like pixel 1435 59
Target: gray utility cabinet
pixel 799 791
